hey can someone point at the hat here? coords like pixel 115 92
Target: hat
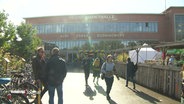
pixel 55 50
pixel 97 58
pixel 108 56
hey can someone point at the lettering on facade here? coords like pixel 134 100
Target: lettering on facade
pixel 90 17
pixel 110 35
pixel 94 36
pixel 64 36
pixel 100 17
pixel 100 35
pixel 82 36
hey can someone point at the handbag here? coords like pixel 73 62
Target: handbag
pixel 102 76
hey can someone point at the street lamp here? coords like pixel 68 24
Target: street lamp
pixel 145 45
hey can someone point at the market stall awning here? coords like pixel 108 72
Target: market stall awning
pixel 170 45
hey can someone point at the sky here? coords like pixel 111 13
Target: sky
pixel 19 9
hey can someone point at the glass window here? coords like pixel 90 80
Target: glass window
pixel 179 27
pixel 100 27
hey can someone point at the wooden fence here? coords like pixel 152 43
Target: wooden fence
pixel 163 79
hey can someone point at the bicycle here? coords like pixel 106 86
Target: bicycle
pixel 4 95
pixel 23 81
pixel 9 96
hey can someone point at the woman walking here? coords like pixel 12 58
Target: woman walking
pixel 108 69
pixel 96 70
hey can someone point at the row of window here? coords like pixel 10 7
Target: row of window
pixel 99 27
pixel 77 43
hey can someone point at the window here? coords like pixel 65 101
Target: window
pixel 109 27
pixel 179 27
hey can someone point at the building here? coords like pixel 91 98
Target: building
pixel 70 31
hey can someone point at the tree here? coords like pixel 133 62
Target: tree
pixel 149 42
pixel 86 46
pixel 109 45
pixel 26 47
pixel 132 44
pixel 7 32
pixel 103 45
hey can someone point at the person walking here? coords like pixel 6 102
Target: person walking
pixel 56 73
pixel 38 65
pixel 109 70
pixel 131 69
pixel 96 70
pixel 171 60
pixel 86 62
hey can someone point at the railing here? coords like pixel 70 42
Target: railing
pixel 163 79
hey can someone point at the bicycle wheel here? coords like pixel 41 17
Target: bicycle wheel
pixel 4 101
pixel 19 99
pixel 31 91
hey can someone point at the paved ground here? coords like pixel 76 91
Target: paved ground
pixel 76 93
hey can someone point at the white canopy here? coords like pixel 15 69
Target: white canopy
pixel 146 53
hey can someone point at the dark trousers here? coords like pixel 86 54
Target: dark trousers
pixel 86 74
pixel 109 82
pixel 130 78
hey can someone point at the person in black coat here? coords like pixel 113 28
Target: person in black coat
pixel 131 69
pixel 56 73
pixel 87 64
pixel 38 65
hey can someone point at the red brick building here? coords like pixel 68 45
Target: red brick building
pixel 68 31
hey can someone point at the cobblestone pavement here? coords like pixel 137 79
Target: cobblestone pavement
pixel 76 93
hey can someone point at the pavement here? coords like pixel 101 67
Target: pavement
pixel 75 92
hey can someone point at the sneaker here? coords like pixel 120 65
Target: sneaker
pixel 87 86
pixel 108 98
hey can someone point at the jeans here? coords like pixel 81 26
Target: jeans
pixel 86 73
pixel 51 90
pixel 109 82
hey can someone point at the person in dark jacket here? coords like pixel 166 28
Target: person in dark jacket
pixel 131 69
pixel 38 65
pixel 87 64
pixel 56 73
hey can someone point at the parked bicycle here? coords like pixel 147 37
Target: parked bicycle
pixel 24 81
pixel 9 96
pixel 5 97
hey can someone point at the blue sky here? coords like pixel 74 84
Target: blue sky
pixel 19 9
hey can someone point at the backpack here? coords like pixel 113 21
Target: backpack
pixel 135 67
pixel 96 63
pixel 86 62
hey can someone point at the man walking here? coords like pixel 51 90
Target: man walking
pixel 56 73
pixel 86 62
pixel 131 69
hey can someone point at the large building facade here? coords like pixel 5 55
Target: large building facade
pixel 75 30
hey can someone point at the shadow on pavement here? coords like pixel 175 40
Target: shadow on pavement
pixel 100 89
pixel 112 102
pixel 89 92
pixel 145 96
